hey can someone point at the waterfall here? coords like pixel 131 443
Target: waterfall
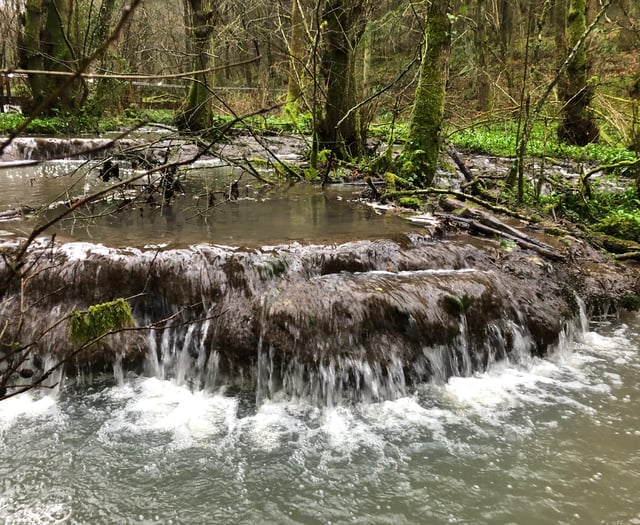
pixel 332 324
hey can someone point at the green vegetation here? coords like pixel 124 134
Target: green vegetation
pixel 457 305
pixel 413 203
pixel 499 138
pixel 99 320
pixel 65 124
pixel 622 224
pixel 272 268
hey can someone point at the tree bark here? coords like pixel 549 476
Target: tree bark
pixel 578 126
pixel 47 47
pixel 343 24
pixel 423 144
pixel 196 113
pixel 106 91
pixel 483 85
pixel 296 58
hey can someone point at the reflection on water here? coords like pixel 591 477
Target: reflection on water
pixel 535 442
pixel 261 215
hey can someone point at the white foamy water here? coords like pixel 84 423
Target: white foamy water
pixel 551 440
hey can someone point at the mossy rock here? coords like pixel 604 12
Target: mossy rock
pixel 614 244
pixel 621 224
pixel 413 203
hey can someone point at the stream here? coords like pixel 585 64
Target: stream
pixel 523 440
pixel 529 441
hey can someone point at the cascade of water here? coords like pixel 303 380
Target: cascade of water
pixel 329 324
pixel 573 330
pixel 184 354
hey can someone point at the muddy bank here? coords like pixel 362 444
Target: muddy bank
pixel 368 316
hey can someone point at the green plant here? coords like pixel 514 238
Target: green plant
pixel 274 267
pixel 457 305
pixel 499 138
pixel 99 320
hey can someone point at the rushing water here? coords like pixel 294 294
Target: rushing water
pixel 537 441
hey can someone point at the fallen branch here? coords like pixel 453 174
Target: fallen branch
pixel 464 196
pixel 459 162
pixel 525 243
pixel 629 256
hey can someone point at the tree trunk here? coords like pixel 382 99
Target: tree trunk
pixel 505 33
pixel 343 24
pixel 423 144
pixel 578 125
pixel 296 58
pixel 196 113
pixel 483 85
pixel 47 47
pixel 106 90
pixel 634 94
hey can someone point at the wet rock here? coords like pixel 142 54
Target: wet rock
pixel 300 317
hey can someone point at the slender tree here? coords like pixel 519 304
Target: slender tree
pixel 481 40
pixel 105 91
pixel 297 53
pixel 423 143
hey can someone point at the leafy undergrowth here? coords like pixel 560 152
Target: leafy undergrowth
pixel 83 123
pixel 500 139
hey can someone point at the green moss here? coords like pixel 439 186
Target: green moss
pixel 272 268
pixel 99 320
pixel 456 305
pixel 631 302
pixel 410 202
pixel 390 180
pixel 621 224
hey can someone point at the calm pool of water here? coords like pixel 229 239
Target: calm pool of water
pixel 260 215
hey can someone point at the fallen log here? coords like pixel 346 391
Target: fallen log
pixel 16 212
pixel 526 244
pixel 460 195
pixel 629 256
pixel 463 210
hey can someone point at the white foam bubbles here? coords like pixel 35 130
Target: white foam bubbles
pixel 152 405
pixel 26 406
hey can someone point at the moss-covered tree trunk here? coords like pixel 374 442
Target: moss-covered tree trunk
pixel 423 143
pixel 196 113
pixel 296 58
pixel 47 46
pixel 343 24
pixel 108 91
pixel 578 126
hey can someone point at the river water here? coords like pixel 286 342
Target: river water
pixel 202 213
pixel 531 441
